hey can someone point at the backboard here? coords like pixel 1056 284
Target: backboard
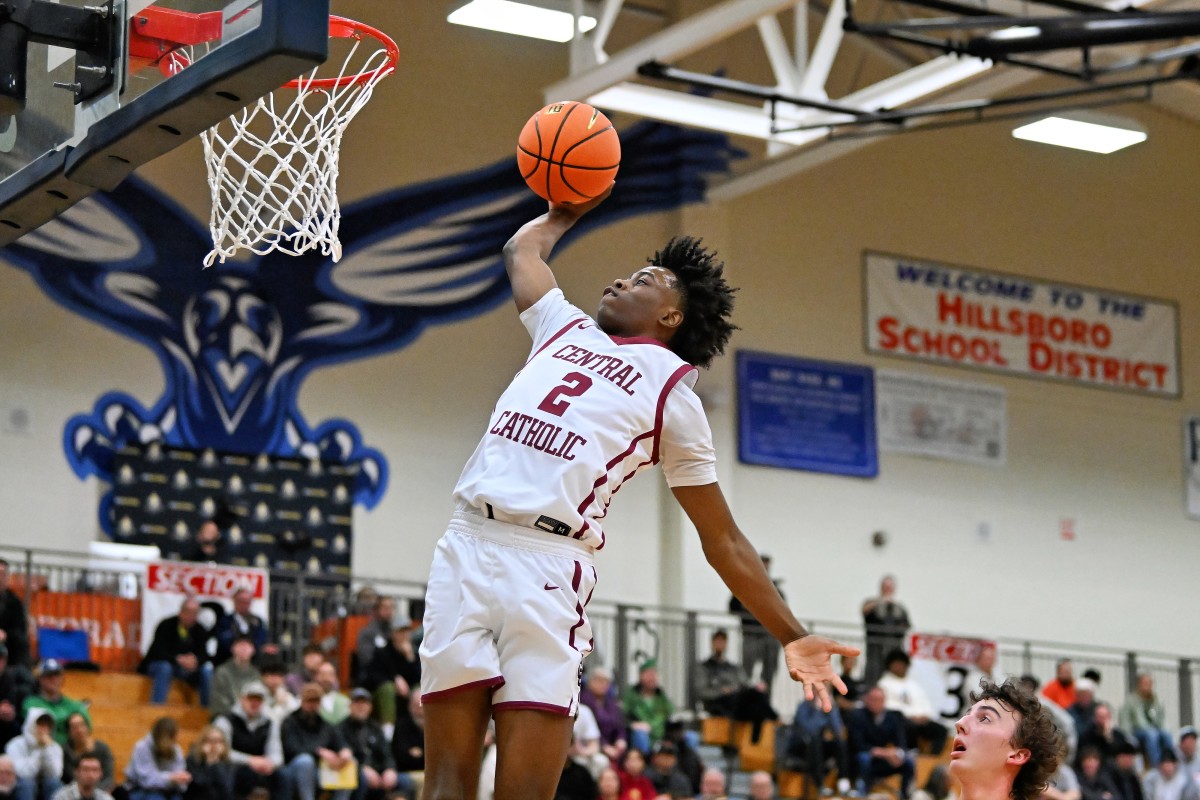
pixel 108 85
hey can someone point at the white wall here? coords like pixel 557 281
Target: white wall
pixel 972 196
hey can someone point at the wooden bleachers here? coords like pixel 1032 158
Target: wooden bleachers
pixel 756 755
pixel 119 704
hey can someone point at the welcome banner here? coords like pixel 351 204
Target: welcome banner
pixel 1009 323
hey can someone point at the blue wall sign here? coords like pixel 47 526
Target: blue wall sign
pixel 804 414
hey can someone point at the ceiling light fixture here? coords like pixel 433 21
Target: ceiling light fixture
pixel 521 19
pixel 1079 135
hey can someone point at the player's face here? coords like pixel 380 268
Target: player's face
pixel 631 306
pixel 983 741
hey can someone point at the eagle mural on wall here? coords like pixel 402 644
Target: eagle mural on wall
pixel 237 341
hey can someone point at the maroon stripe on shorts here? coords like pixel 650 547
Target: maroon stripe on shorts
pixel 491 683
pixel 578 607
pixel 529 705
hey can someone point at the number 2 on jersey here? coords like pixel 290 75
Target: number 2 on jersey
pixel 574 384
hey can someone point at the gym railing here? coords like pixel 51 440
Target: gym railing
pixel 102 597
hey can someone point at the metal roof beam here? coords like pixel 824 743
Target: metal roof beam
pixel 684 37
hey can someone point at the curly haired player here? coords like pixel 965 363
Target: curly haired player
pixel 1006 746
pixel 506 629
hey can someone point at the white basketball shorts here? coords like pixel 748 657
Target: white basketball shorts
pixel 506 609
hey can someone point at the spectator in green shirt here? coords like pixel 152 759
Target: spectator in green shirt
pixel 647 708
pixel 50 697
pixel 1143 715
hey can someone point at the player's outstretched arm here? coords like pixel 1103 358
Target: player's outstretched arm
pixel 733 557
pixel 526 252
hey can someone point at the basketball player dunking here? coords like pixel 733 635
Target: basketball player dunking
pixel 506 629
pixel 1006 747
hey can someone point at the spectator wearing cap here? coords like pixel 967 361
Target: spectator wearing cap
pixel 309 742
pixel 179 649
pixel 1144 716
pixel 1083 710
pixel 14 622
pixel 51 698
pixel 231 677
pixel 335 705
pixel 36 757
pixel 665 774
pixel 255 748
pixel 15 686
pixel 905 695
pixel 599 694
pixel 1168 781
pixel 377 776
pixel 759 647
pixel 647 708
pixel 238 623
pixel 1189 761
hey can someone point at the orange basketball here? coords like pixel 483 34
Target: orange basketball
pixel 568 152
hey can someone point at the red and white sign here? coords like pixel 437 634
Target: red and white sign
pixel 1010 323
pixel 169 582
pixel 944 666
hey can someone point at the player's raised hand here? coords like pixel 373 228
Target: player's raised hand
pixel 808 662
pixel 577 210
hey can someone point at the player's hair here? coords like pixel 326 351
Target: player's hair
pixel 707 299
pixel 1035 732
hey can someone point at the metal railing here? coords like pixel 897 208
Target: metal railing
pixel 304 607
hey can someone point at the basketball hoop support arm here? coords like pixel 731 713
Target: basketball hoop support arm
pixel 155 33
pixel 91 31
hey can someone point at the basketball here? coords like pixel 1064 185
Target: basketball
pixel 568 152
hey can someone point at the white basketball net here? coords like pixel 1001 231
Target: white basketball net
pixel 273 166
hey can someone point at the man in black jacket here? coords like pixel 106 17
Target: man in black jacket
pixel 877 742
pixel 179 650
pixel 14 622
pixel 310 742
pixel 15 686
pixel 376 767
pixel 255 747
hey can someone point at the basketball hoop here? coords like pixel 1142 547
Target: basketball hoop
pixel 273 166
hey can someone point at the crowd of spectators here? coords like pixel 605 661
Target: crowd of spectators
pixel 299 731
pixel 275 732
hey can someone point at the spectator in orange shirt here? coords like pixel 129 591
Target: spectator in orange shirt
pixel 1061 690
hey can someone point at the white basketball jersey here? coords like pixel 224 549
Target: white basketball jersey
pixel 584 415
